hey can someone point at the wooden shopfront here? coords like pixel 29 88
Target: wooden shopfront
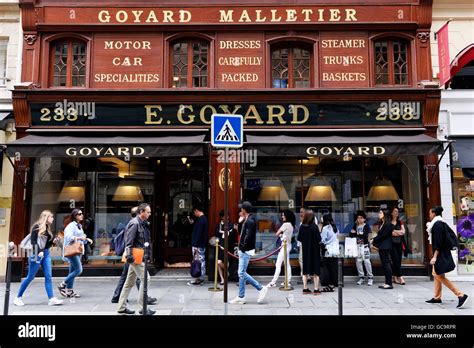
pixel 122 95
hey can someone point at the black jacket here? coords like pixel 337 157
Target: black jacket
pixel 383 240
pixel 200 232
pixel 248 235
pixel 136 234
pixel 34 240
pixel 361 239
pixel 444 262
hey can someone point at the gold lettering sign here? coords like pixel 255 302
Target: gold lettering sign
pixel 222 179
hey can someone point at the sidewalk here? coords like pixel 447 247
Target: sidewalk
pixel 177 298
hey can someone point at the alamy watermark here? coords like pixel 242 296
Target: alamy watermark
pixel 237 156
pixel 73 110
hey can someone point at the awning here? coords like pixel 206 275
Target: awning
pixel 103 146
pixel 463 155
pixel 340 146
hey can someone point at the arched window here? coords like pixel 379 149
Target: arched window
pixel 190 63
pixel 68 63
pixel 392 62
pixel 291 67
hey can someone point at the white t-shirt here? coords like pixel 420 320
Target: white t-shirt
pixel 287 229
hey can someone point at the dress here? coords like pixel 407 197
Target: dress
pixel 310 238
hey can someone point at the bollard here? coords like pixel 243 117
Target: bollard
pixel 145 279
pixel 6 304
pixel 339 284
pixel 215 287
pixel 285 265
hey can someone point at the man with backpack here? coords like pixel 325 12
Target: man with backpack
pixel 443 240
pixel 119 243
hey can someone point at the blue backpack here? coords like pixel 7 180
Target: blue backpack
pixel 119 243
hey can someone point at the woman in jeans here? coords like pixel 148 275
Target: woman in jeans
pixel 383 242
pixel 285 232
pixel 396 253
pixel 73 233
pixel 41 230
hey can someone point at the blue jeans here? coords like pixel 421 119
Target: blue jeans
pixel 75 269
pixel 244 260
pixel 34 263
pixel 202 259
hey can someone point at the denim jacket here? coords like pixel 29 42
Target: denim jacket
pixel 72 231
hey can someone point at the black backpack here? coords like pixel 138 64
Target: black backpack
pixel 452 242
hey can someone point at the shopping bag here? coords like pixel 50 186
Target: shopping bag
pixel 350 247
pixel 332 250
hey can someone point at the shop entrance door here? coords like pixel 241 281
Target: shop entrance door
pixel 185 189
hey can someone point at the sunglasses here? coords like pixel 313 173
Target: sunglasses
pixel 79 214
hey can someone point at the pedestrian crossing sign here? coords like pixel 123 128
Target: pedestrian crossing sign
pixel 227 130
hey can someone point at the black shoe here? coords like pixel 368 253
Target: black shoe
pixel 126 311
pixel 148 312
pixel 386 287
pixel 196 282
pixel 462 301
pixel 434 300
pixel 114 300
pixel 151 300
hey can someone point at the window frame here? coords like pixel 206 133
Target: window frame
pixel 69 66
pixel 189 41
pixel 291 46
pixel 410 60
pixel 3 79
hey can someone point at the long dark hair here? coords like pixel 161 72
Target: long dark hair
pixel 386 217
pixel 73 215
pixel 308 217
pixel 289 217
pixel 391 216
pixel 327 220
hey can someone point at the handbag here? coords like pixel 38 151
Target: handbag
pixel 74 249
pixel 196 266
pixel 332 250
pixel 350 247
pixel 25 244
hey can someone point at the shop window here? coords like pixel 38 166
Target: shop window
pixel 68 63
pixel 332 185
pixel 291 67
pixel 3 61
pixel 391 62
pixel 190 64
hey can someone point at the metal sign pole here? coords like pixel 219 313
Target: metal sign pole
pixel 6 304
pixel 145 280
pixel 339 283
pixel 226 223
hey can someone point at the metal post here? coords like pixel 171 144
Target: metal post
pixel 145 279
pixel 226 223
pixel 6 304
pixel 285 265
pixel 216 265
pixel 339 284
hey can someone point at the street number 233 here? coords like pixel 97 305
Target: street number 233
pixel 59 115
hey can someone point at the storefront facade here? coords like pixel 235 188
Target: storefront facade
pixel 338 116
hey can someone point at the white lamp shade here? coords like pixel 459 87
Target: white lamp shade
pixel 320 191
pixel 128 191
pixel 73 190
pixel 273 190
pixel 382 190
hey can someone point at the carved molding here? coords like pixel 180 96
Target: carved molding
pixel 423 36
pixel 31 39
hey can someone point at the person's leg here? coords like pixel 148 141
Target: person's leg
pixel 332 272
pixel 359 260
pixel 316 282
pixel 243 263
pixel 385 259
pixel 33 268
pixel 288 267
pixel 395 261
pixel 278 263
pixel 121 282
pixel 399 250
pixel 129 281
pixel 220 268
pixel 75 269
pixel 367 263
pixel 202 259
pixel 305 281
pixel 248 278
pixel 300 260
pixel 140 273
pixel 48 274
pixel 437 285
pixel 442 280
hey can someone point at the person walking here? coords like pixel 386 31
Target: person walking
pixel 199 241
pixel 310 239
pixel 361 232
pixel 138 233
pixel 231 239
pixel 246 249
pixel 383 242
pixel 396 253
pixel 285 232
pixel 126 266
pixel 41 241
pixel 72 233
pixel 442 260
pixel 328 237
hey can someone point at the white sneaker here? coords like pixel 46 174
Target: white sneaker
pixel 238 300
pixel 370 282
pixel 283 284
pixel 55 302
pixel 360 281
pixel 18 302
pixel 271 285
pixel 261 294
